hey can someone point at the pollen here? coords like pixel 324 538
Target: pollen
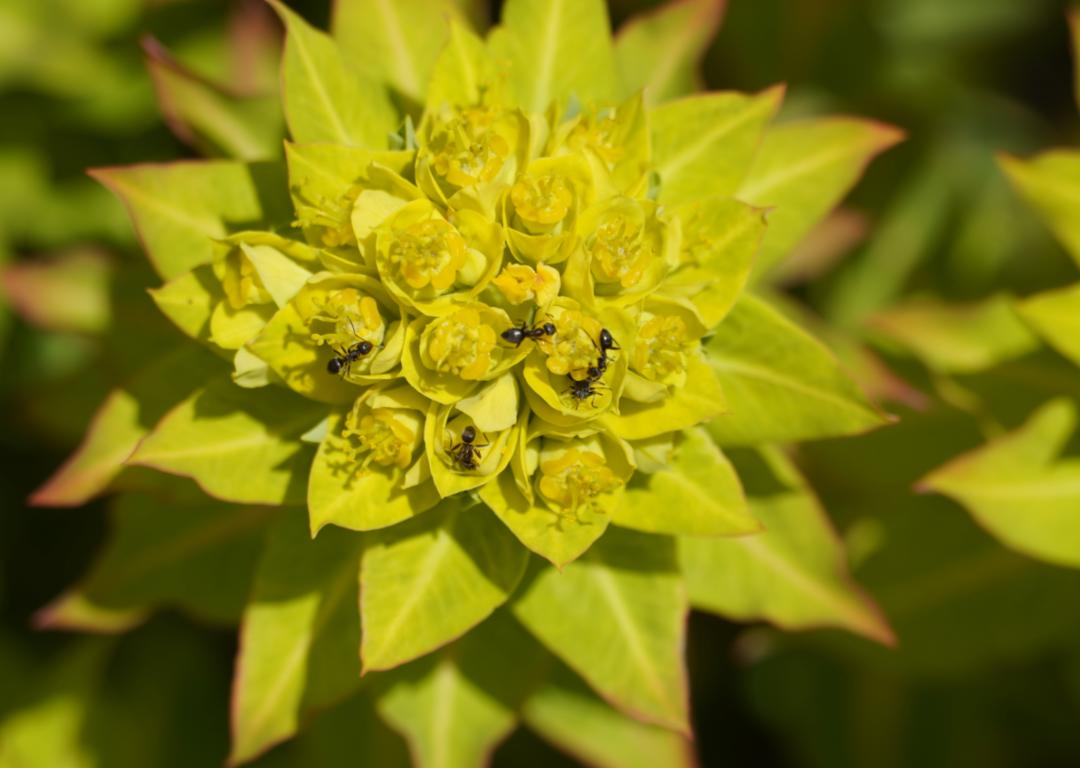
pixel 461 344
pixel 353 316
pixel 660 349
pixel 620 249
pixel 574 348
pixel 382 436
pixel 541 202
pixel 429 252
pixel 574 480
pixel 520 283
pixel 471 146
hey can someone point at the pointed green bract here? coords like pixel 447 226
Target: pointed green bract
pixel 704 145
pixel 792 574
pixel 781 384
pixel 661 51
pixel 803 169
pixel 697 495
pixel 559 541
pixel 428 582
pixel 701 398
pixel 555 49
pixel 1051 183
pixel 178 208
pixel 125 417
pixel 566 713
pixel 300 633
pixel 1018 489
pixel 1055 315
pixel 163 552
pixel 464 71
pixel 188 300
pixel 239 445
pixel 211 120
pixel 325 99
pixel 456 706
pixel 395 41
pixel 722 236
pixel 957 338
pixel 343 494
pixel 617 617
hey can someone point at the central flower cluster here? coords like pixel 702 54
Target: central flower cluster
pixel 490 309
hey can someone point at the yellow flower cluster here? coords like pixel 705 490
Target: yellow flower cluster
pixel 500 316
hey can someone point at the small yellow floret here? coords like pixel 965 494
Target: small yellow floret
pixel 520 283
pixel 461 344
pixel 574 480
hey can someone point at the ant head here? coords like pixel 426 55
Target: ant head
pixel 607 341
pixel 364 347
pixel 334 366
pixel 548 328
pixel 468 434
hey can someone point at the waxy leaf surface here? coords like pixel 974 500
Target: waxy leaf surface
pixel 704 145
pixel 781 384
pixel 803 169
pixel 566 713
pixel 1019 490
pixel 300 634
pixel 556 48
pixel 239 445
pixel 617 617
pixel 429 581
pixel 164 552
pixel 177 208
pixel 661 51
pixel 792 574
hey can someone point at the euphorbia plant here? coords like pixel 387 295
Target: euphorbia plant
pixel 478 366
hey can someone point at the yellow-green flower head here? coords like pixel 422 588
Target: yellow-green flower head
pixel 461 344
pixel 462 148
pixel 426 257
pixel 520 283
pixel 386 436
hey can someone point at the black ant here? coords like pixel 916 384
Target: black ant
pixel 519 333
pixel 348 356
pixel 581 390
pixel 466 454
pixel 607 343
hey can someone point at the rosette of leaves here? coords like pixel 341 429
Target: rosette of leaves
pixel 1023 485
pixel 476 385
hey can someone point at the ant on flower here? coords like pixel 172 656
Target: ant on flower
pixel 519 333
pixel 466 454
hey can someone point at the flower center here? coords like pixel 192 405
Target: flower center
pixel 353 317
pixel 471 146
pixel 542 201
pixel 660 349
pixel 241 282
pixel 600 134
pixel 574 480
pixel 460 344
pixel 619 251
pixel 332 219
pixel 520 283
pixel 574 349
pixel 429 252
pixel 381 436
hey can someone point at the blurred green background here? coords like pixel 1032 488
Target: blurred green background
pixel 988 668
